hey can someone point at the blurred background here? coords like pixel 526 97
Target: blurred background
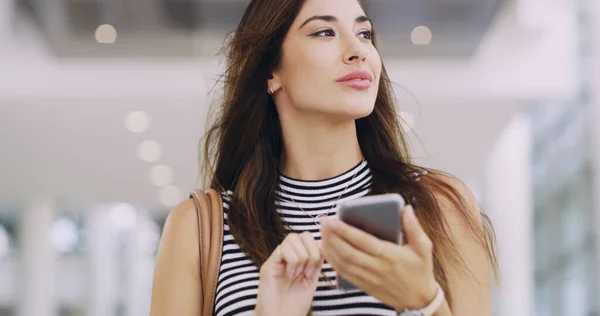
pixel 102 104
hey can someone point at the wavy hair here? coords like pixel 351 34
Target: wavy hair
pixel 244 146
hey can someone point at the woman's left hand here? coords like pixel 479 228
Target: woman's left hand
pixel 400 276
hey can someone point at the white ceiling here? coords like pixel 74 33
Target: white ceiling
pixel 180 28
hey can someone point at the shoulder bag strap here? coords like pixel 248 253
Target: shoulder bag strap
pixel 209 213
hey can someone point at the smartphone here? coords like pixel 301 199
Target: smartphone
pixel 378 215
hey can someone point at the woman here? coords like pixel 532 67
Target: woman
pixel 308 119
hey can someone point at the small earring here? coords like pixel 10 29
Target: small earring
pixel 271 90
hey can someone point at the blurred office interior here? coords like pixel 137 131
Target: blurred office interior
pixel 102 104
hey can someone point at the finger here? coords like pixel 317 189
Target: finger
pixel 278 256
pixel 361 240
pixel 315 258
pixel 322 218
pixel 301 252
pixel 336 245
pixel 361 276
pixel 417 238
pixel 289 257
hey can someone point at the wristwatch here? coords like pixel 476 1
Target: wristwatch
pixel 430 309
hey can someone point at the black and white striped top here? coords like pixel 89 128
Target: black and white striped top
pixel 238 277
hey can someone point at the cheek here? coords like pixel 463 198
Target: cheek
pixel 316 65
pixel 310 71
pixel 300 65
pixel 321 57
pixel 376 64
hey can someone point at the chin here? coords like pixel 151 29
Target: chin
pixel 347 108
pixel 356 111
pixel 359 107
pixel 359 104
pixel 363 112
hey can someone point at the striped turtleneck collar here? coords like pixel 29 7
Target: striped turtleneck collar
pixel 319 197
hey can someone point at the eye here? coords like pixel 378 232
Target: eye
pixel 366 34
pixel 325 33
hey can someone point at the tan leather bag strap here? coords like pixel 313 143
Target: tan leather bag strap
pixel 209 212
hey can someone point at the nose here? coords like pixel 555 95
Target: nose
pixel 356 52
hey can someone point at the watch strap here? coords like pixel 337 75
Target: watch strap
pixel 435 304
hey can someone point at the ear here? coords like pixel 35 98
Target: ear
pixel 273 84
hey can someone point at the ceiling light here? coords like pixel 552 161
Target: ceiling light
pixel 421 35
pixel 161 175
pixel 106 34
pixel 149 151
pixel 169 196
pixel 137 121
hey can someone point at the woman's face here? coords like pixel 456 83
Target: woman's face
pixel 329 64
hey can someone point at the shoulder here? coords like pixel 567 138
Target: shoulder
pixel 176 285
pixel 454 197
pixel 451 181
pixel 182 216
pixel 182 222
pixel 181 230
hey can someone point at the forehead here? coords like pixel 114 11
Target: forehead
pixel 344 10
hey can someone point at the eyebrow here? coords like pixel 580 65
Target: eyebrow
pixel 331 18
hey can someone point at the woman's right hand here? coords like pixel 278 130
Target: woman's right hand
pixel 288 279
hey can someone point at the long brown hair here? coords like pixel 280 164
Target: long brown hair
pixel 244 146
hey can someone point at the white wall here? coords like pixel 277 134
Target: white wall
pixel 509 203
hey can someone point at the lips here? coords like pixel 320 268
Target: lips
pixel 359 80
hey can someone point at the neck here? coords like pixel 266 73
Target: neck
pixel 317 151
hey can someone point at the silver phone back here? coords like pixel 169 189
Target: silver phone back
pixel 378 215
